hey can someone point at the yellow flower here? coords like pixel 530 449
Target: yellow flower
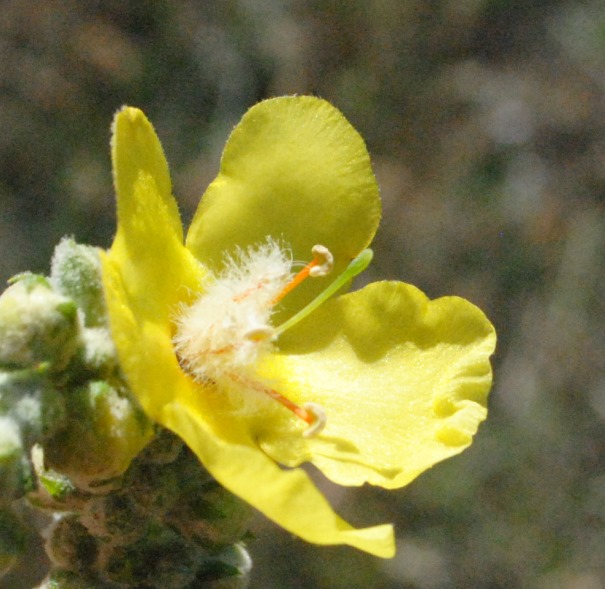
pixel 397 382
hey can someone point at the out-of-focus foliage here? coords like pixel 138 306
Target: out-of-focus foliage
pixel 485 120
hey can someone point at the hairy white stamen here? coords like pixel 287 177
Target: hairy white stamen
pixel 228 328
pixel 225 334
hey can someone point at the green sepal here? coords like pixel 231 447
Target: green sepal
pixel 58 486
pixel 76 273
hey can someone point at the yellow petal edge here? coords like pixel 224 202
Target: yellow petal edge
pixel 403 380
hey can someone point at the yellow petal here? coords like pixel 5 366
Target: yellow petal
pixel 148 249
pixel 148 271
pixel 287 497
pixel 403 381
pixel 296 170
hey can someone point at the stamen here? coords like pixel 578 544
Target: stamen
pixel 357 266
pixel 242 296
pixel 260 333
pixel 324 261
pixel 311 413
pixel 320 265
pixel 223 335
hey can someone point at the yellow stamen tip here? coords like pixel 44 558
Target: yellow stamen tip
pixel 261 333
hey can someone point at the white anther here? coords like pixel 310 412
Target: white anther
pixel 326 259
pixel 317 411
pixel 260 333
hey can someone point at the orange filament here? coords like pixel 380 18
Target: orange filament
pixel 311 413
pixel 320 261
pixel 244 295
pixel 305 415
pixel 297 280
pixel 320 265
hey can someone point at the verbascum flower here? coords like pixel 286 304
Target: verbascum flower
pixel 260 368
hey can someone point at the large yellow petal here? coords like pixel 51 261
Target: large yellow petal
pixel 296 170
pixel 148 247
pixel 287 497
pixel 148 270
pixel 403 381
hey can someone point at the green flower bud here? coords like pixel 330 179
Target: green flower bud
pixel 214 517
pixel 229 569
pixel 99 353
pixel 204 511
pixel 161 559
pixel 10 439
pixel 114 517
pixel 104 432
pixel 165 448
pixel 76 273
pixel 37 325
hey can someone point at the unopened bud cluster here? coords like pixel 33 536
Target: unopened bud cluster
pixel 132 507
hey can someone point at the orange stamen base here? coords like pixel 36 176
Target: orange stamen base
pixel 311 413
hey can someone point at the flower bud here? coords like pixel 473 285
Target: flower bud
pixel 104 432
pixel 37 325
pixel 234 565
pixel 60 579
pixel 76 273
pixel 213 516
pixel 99 353
pixel 69 545
pixel 30 398
pixel 159 560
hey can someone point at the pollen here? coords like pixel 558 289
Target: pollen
pixel 223 336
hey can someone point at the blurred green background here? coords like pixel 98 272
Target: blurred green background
pixel 485 123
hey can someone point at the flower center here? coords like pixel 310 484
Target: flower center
pixel 222 337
